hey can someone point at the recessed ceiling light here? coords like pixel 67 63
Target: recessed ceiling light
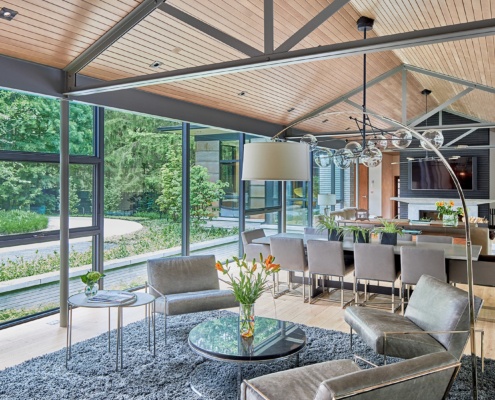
pixel 325 120
pixel 243 93
pixel 155 64
pixel 7 14
pixel 291 109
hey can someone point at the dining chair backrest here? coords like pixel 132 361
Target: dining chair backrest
pixel 326 257
pixel 374 261
pixel 289 253
pixel 405 237
pixel 434 239
pixel 249 236
pixel 417 261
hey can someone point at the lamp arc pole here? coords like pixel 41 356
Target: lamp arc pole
pixel 469 259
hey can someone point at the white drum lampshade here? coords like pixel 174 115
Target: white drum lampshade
pixel 327 199
pixel 276 161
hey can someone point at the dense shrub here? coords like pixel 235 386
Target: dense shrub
pixel 17 221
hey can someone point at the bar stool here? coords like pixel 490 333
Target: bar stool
pixel 374 262
pixel 327 258
pixel 417 261
pixel 289 253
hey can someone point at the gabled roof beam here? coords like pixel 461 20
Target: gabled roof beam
pixel 357 106
pixel 268 26
pixel 210 30
pixel 310 26
pixel 450 78
pixel 358 47
pixel 447 103
pixel 112 35
pixel 460 137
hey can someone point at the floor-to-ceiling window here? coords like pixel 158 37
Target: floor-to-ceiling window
pixel 29 201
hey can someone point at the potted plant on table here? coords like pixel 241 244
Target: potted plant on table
pixel 335 232
pixel 388 232
pixel 248 283
pixel 447 212
pixel 360 234
pixel 90 279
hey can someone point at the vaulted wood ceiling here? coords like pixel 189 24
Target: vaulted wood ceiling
pixel 55 32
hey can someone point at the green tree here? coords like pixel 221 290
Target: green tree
pixel 203 192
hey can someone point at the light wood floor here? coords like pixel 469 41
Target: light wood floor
pixel 23 342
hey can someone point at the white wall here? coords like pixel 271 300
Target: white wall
pixel 375 190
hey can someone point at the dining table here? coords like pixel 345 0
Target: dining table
pixel 451 251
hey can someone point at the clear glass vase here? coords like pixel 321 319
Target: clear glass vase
pixel 450 219
pixel 246 320
pixel 91 290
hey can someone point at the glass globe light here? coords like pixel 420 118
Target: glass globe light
pixel 402 138
pixel 310 140
pixel 355 148
pixel 343 158
pixel 378 141
pixel 434 137
pixel 371 157
pixel 323 158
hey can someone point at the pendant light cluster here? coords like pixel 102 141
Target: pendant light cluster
pixel 369 151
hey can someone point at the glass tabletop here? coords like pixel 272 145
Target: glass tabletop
pixel 219 339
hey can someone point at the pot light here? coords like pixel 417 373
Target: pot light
pixel 156 64
pixel 8 14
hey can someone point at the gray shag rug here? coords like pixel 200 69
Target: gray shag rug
pixel 91 373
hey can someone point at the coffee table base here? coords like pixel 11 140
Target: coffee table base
pixel 222 380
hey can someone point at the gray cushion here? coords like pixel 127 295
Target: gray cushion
pixel 295 384
pixel 370 324
pixel 438 306
pixel 398 381
pixel 182 274
pixel 184 303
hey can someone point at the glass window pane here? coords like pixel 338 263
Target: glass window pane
pixel 29 197
pixel 81 129
pixel 29 123
pixel 80 195
pixel 297 204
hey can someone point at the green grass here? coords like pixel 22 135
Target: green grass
pixel 11 314
pixel 155 235
pixel 17 221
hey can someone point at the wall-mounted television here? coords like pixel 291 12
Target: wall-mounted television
pixel 431 174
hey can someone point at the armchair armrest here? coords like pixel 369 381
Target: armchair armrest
pixel 155 289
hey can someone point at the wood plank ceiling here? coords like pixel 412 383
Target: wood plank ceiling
pixel 54 32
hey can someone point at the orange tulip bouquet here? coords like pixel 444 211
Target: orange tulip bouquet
pixel 248 283
pixel 448 213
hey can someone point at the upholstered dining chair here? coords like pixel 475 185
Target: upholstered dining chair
pixel 434 239
pixel 253 250
pixel 291 255
pixel 374 262
pixel 326 258
pixel 418 261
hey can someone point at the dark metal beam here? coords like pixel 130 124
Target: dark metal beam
pixel 451 78
pixel 310 26
pixel 464 31
pixel 268 20
pixel 210 30
pixel 186 190
pixel 112 35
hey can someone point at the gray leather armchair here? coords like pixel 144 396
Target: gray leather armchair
pixel 185 285
pixel 425 377
pixel 436 320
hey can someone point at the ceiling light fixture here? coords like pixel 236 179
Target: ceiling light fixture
pixel 291 109
pixel 433 136
pixel 156 64
pixel 8 14
pixel 243 93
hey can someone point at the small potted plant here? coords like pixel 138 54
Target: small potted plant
pixel 388 232
pixel 335 232
pixel 360 233
pixel 90 279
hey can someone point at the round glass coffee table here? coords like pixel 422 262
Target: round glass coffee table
pixel 219 340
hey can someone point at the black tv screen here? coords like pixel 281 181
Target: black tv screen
pixel 432 174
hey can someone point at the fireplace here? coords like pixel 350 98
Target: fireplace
pixel 432 214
